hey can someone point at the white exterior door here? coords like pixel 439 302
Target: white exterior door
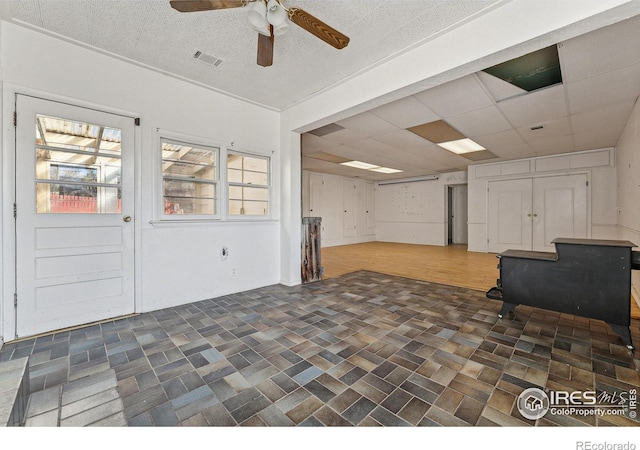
pixel 509 215
pixel 74 226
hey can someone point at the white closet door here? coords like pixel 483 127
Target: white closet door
pixel 559 209
pixel 509 215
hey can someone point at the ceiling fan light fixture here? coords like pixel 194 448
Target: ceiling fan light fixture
pixel 258 15
pixel 276 14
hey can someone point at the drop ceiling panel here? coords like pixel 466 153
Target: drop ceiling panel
pixel 405 113
pixel 506 144
pixel 456 97
pixel 367 124
pixel 601 51
pixel 598 138
pixel 478 122
pixel 535 107
pixel 611 117
pixel 604 90
pixel 552 145
pixel 343 136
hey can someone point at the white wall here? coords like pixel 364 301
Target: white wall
pixel 178 262
pixel 415 212
pixel 598 164
pixel 628 165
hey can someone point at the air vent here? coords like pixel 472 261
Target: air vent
pixel 207 58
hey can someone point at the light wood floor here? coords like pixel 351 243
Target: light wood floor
pixel 452 265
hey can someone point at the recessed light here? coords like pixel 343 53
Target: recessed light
pixel 462 146
pixel 385 170
pixel 359 165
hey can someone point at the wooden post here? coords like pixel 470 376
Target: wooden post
pixel 311 256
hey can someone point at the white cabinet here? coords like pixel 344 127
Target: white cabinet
pixel 346 206
pixel 529 213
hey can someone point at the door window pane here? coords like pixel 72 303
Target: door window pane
pixel 78 167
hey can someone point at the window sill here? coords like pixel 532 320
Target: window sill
pixel 208 222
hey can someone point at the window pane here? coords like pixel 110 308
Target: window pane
pixel 78 167
pixel 248 178
pixel 248 200
pixel 238 207
pixel 77 199
pixel 183 205
pixel 189 197
pixel 73 135
pixel 189 176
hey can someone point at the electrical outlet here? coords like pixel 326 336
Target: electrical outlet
pixel 233 272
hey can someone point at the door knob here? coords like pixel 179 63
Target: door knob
pixel 127 218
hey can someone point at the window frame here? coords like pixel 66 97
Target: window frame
pixel 217 182
pixel 268 187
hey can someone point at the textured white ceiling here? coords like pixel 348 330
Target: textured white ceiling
pixel 152 33
pixel 601 72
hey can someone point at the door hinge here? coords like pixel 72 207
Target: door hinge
pixel 587 182
pixel 15 211
pixel 15 300
pixel 15 118
pixel 136 121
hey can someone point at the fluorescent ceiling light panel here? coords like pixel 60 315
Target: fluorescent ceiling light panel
pixel 385 170
pixel 462 146
pixel 360 165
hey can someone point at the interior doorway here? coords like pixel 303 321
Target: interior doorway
pixel 456 213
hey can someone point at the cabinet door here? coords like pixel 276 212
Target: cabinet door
pixel 349 203
pixel 370 217
pixel 509 215
pixel 559 209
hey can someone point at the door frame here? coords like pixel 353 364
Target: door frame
pixel 8 285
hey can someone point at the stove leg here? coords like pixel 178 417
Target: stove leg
pixel 624 333
pixel 506 309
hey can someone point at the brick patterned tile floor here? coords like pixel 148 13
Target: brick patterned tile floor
pixel 362 349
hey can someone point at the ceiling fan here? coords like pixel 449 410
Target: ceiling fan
pixel 269 19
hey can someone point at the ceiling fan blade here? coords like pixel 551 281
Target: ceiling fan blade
pixel 318 28
pixel 205 5
pixel 265 49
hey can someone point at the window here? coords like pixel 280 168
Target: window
pixel 248 179
pixel 189 179
pixel 78 167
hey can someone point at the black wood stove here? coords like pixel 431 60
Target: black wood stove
pixel 585 277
